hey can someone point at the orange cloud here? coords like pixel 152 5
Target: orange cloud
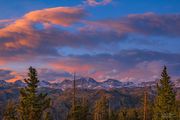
pixel 63 16
pixel 5 22
pixel 22 35
pixel 17 77
pixel 72 65
pixel 9 75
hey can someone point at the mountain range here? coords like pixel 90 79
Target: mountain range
pixel 88 83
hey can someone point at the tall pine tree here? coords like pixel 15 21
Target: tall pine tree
pixel 85 109
pixel 32 104
pixel 101 109
pixel 10 111
pixel 123 115
pixel 76 109
pixel 164 107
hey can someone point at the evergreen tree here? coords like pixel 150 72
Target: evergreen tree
pixel 164 108
pixel 75 113
pixel 101 109
pixel 146 107
pixel 133 114
pixel 129 114
pixel 10 111
pixel 178 109
pixel 123 115
pixel 76 109
pixel 80 111
pixel 113 115
pixel 48 116
pixel 84 109
pixel 32 104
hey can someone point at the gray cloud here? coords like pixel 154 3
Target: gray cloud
pixel 35 35
pixel 52 75
pixel 126 65
pixel 97 2
pixel 6 74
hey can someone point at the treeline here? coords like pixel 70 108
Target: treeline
pixel 33 105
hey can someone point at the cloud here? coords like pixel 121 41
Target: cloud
pixel 63 16
pixel 44 33
pixel 154 24
pixel 5 22
pixel 96 2
pixel 129 65
pixel 39 36
pixel 143 24
pixel 24 36
pixel 143 71
pixel 52 75
pixel 126 65
pixel 9 75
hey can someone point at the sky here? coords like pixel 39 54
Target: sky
pixel 127 40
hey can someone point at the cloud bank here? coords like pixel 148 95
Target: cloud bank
pixel 39 36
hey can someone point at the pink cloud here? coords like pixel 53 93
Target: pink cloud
pixel 143 71
pixel 63 16
pixel 21 42
pixel 136 66
pixel 21 34
pixel 130 65
pixel 133 66
pixel 102 70
pixel 23 37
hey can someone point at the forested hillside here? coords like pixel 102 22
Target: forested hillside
pixel 125 103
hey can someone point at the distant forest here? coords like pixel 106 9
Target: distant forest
pixel 32 103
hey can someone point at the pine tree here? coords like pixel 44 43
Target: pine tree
pixel 164 108
pixel 101 109
pixel 10 111
pixel 32 104
pixel 75 113
pixel 84 109
pixel 76 109
pixel 145 106
pixel 133 114
pixel 178 109
pixel 129 114
pixel 113 115
pixel 123 115
pixel 48 116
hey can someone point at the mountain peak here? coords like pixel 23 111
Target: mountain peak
pixel 2 81
pixel 87 83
